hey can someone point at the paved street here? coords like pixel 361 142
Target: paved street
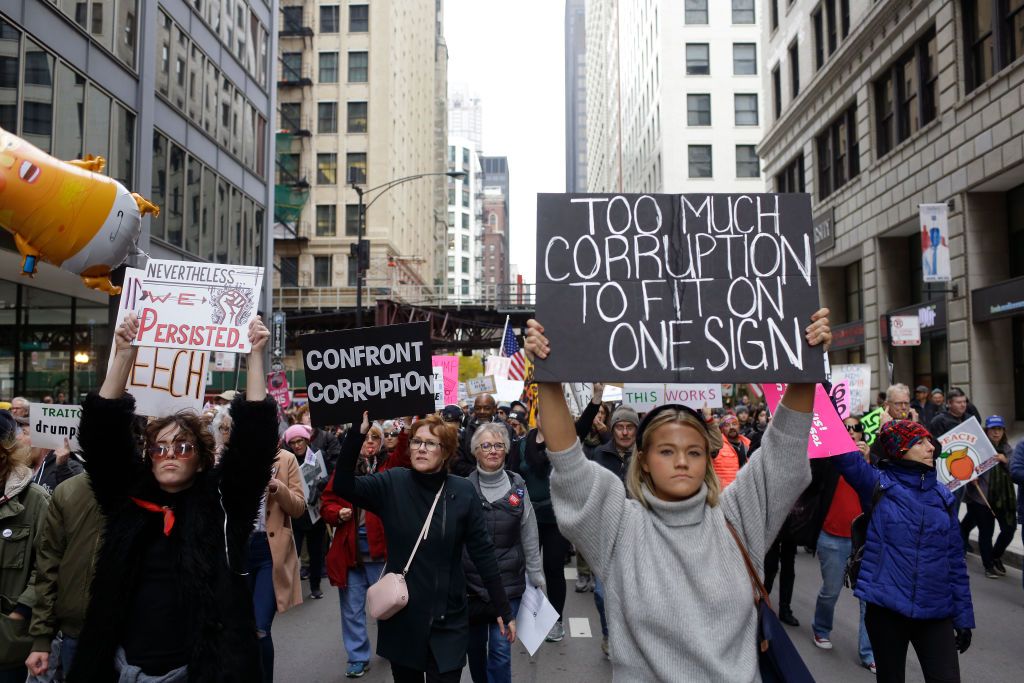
pixel 308 638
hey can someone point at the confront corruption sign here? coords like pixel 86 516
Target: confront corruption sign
pixel 677 288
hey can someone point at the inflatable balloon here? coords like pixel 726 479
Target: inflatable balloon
pixel 67 213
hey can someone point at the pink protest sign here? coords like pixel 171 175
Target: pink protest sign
pixel 450 370
pixel 828 435
pixel 841 398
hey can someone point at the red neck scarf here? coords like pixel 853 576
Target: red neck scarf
pixel 153 507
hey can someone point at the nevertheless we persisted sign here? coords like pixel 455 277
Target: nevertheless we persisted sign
pixel 686 288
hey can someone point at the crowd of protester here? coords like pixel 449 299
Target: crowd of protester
pixel 162 550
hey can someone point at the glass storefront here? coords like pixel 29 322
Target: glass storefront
pixel 50 344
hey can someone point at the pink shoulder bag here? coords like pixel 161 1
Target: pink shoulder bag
pixel 390 594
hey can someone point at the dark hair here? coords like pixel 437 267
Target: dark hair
pixel 955 392
pixel 191 426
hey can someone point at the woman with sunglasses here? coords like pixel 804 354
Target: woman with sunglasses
pixel 170 599
pixel 513 527
pixel 837 506
pixel 428 638
pixel 677 592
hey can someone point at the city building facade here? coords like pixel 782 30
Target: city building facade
pixel 674 99
pixel 494 271
pixel 465 196
pixel 466 116
pixel 177 97
pixel 575 96
pixel 879 107
pixel 361 88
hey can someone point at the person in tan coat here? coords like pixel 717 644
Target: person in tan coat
pixel 273 562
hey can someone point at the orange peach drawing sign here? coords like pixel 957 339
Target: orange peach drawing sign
pixel 67 212
pixel 966 454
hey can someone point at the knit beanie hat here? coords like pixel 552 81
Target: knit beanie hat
pixel 899 436
pixel 297 432
pixel 625 414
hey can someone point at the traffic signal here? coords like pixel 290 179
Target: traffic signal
pixel 361 252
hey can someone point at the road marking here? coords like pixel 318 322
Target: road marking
pixel 570 573
pixel 579 627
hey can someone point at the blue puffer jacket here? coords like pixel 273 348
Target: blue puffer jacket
pixel 913 558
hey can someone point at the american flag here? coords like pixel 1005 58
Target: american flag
pixel 510 349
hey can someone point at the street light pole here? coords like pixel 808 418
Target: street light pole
pixel 361 228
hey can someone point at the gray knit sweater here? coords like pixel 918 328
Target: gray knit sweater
pixel 678 599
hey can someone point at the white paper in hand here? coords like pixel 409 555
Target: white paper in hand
pixel 535 619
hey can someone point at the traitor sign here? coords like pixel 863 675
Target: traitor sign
pixel 163 381
pixel 201 306
pixel 384 370
pixel 677 288
pixel 50 424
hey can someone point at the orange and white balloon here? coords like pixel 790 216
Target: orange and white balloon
pixel 67 213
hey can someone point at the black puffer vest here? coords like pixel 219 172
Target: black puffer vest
pixel 504 520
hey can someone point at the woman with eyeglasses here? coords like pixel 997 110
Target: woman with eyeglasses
pixel 309 527
pixel 513 527
pixel 170 599
pixel 428 638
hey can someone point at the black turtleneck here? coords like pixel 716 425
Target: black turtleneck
pixel 432 481
pixel 155 634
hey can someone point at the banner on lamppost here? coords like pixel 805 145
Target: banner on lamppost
pixel 277 340
pixel 935 242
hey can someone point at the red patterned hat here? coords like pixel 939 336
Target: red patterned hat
pixel 899 436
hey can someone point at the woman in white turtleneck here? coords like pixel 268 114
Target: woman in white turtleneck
pixel 512 524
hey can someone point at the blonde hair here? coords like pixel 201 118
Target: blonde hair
pixel 637 479
pixel 13 454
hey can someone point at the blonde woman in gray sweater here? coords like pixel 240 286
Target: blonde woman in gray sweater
pixel 678 598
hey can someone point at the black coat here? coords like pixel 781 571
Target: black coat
pixel 436 619
pixel 221 627
pixel 945 421
pixel 328 445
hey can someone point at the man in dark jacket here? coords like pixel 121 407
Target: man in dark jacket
pixel 955 413
pixel 616 454
pixel 71 538
pixel 54 467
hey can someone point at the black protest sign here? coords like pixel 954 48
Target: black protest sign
pixel 677 288
pixel 384 370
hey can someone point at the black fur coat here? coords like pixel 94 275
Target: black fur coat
pixel 221 626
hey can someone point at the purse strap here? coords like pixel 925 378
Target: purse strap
pixel 423 531
pixel 760 593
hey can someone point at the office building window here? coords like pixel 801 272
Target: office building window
pixel 745 106
pixel 328 19
pixel 993 37
pixel 830 22
pixel 854 292
pixel 747 163
pixel 358 18
pixel 353 271
pixel 355 167
pixel 838 153
pixel 288 168
pixel 698 110
pixel 791 177
pixel 743 11
pixel 351 220
pixel 289 271
pixel 326 220
pixel 356 117
pixel 291 66
pixel 327 117
pixel 328 67
pixel 774 10
pixel 696 11
pixel 291 19
pixel 744 59
pixel 906 94
pixel 698 59
pixel 794 70
pixel 465 264
pixel 358 67
pixel 699 157
pixel 322 271
pixel 777 91
pixel 291 116
pixel 326 168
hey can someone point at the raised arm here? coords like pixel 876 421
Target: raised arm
pixel 106 436
pixel 586 419
pixel 590 501
pixel 368 492
pixel 763 494
pixel 249 454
